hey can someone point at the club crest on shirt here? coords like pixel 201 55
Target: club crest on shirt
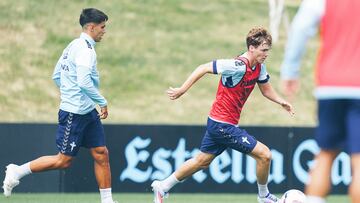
pixel 239 63
pixel 88 44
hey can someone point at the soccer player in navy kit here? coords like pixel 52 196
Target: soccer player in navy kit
pixel 238 78
pixel 79 125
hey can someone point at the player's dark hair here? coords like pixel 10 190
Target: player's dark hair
pixel 257 36
pixel 92 15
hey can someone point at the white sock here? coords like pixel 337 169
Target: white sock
pixel 106 196
pixel 23 170
pixel 314 199
pixel 169 182
pixel 263 190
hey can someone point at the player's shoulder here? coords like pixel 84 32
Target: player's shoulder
pixel 84 47
pixel 239 62
pixel 232 62
pixel 263 66
pixel 81 43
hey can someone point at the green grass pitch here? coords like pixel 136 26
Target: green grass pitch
pixel 140 198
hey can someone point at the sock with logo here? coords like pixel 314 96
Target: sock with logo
pixel 314 199
pixel 23 170
pixel 263 190
pixel 169 182
pixel 106 196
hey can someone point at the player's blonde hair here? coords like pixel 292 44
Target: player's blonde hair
pixel 257 36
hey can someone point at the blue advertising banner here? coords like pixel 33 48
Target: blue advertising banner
pixel 140 154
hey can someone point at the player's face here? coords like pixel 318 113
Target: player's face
pixel 99 31
pixel 261 52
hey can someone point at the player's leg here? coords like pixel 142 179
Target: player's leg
pixel 94 138
pixel 187 169
pixel 65 136
pixel 354 189
pixel 101 166
pixel 45 163
pixel 319 183
pixel 353 140
pixel 330 136
pixel 191 166
pixel 14 172
pixel 102 172
pixel 262 154
pixel 238 139
pixel 209 150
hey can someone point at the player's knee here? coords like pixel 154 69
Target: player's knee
pixel 202 163
pixel 101 151
pixel 100 154
pixel 265 155
pixel 63 163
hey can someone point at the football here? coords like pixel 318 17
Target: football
pixel 293 196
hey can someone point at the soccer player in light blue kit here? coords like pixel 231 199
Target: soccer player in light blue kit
pixel 79 122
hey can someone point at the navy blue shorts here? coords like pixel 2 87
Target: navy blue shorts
pixel 220 136
pixel 75 131
pixel 339 125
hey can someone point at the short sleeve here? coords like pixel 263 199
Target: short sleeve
pixel 221 66
pixel 264 76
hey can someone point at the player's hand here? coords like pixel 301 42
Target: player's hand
pixel 103 112
pixel 290 88
pixel 174 93
pixel 288 107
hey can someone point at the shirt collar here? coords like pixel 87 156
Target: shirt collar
pixel 88 38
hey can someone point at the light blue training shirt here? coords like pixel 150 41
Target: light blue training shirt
pixel 304 26
pixel 77 77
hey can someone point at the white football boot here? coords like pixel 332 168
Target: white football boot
pixel 10 180
pixel 159 193
pixel 269 198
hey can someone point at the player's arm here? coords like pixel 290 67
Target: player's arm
pixel 304 25
pixel 57 73
pixel 87 86
pixel 268 91
pixel 83 73
pixel 200 71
